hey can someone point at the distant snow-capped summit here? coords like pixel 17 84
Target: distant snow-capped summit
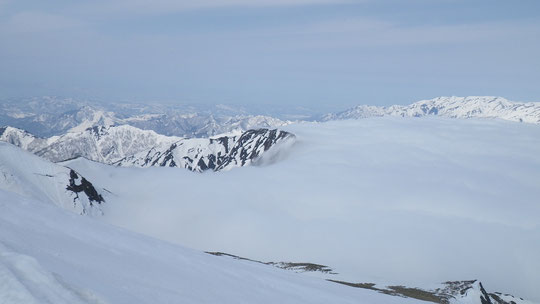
pixel 453 107
pixel 129 146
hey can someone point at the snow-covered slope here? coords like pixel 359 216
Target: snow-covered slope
pixel 24 173
pixel 453 107
pixel 414 201
pixel 129 146
pixel 50 256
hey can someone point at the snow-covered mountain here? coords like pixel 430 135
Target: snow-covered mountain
pixel 26 174
pixel 217 154
pixel 102 144
pixel 49 116
pixel 452 107
pixel 129 146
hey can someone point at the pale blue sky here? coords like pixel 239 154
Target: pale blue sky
pixel 317 53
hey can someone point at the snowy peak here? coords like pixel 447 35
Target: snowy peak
pixel 452 107
pixel 34 177
pixel 216 154
pixel 88 117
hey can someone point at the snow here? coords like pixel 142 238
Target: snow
pixel 129 146
pixel 55 116
pixel 453 107
pixel 31 176
pixel 90 117
pixel 411 200
pixel 48 255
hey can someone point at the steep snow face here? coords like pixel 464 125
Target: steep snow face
pixel 217 154
pixel 453 107
pixel 412 200
pixel 50 256
pixel 129 146
pixel 32 176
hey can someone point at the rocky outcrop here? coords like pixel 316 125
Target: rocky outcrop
pixel 79 184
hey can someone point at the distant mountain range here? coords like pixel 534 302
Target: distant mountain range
pixel 452 107
pixel 49 116
pixel 195 139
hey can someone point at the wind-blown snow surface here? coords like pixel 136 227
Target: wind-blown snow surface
pixel 417 200
pixel 48 255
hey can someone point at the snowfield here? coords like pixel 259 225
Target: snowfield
pixel 49 255
pixel 409 201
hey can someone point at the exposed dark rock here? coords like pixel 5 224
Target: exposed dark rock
pixel 216 154
pixel 84 186
pixel 298 267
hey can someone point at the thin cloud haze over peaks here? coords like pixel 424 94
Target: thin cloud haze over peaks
pixel 315 53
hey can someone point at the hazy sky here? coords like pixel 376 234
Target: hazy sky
pixel 319 53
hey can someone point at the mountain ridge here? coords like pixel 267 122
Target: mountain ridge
pixel 129 146
pixel 452 107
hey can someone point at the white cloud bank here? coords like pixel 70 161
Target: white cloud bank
pixel 410 200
